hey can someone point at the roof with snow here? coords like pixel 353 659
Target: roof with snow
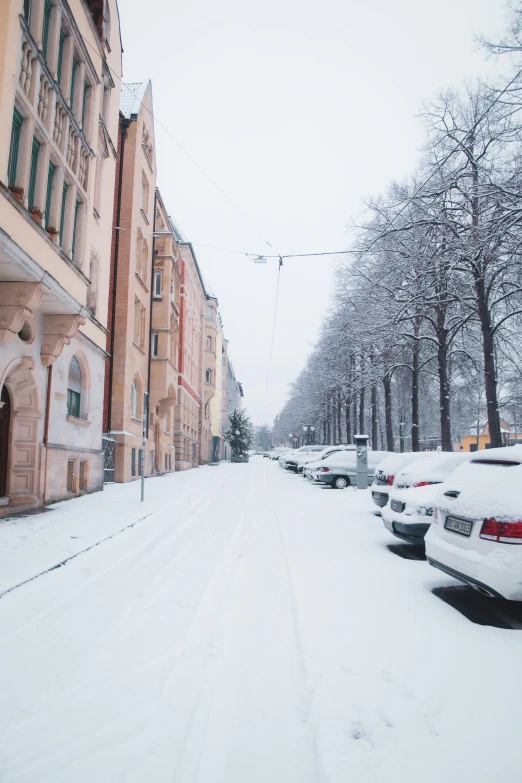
pixel 132 94
pixel 177 232
pixel 208 289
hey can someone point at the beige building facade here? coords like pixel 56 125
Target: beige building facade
pixel 132 274
pixel 58 128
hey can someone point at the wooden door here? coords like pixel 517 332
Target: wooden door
pixel 5 417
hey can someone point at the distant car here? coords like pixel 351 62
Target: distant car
pixel 292 461
pixel 305 460
pixel 289 455
pixel 340 469
pixel 409 512
pixel 476 535
pixel 384 475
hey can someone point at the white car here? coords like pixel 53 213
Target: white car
pixel 339 470
pixel 305 460
pixel 292 460
pixel 384 475
pixel 409 512
pixel 476 534
pixel 289 454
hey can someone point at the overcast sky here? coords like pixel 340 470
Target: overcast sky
pixel 298 112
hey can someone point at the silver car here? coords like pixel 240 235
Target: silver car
pixel 340 469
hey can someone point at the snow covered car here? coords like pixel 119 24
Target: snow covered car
pixel 290 454
pixel 409 512
pixel 292 461
pixel 476 534
pixel 307 459
pixel 340 469
pixel 385 474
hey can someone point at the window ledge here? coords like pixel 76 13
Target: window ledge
pixel 133 418
pixel 142 281
pixel 157 297
pixel 144 215
pixel 140 349
pixel 76 420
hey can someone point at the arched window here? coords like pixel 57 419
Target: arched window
pixel 74 389
pixel 134 400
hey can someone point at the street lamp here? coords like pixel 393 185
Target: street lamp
pixel 295 437
pixel 310 434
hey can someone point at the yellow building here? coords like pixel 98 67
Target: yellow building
pixel 58 127
pixel 479 439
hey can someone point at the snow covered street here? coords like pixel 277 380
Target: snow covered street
pixel 250 628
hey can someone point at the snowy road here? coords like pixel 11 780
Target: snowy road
pixel 253 628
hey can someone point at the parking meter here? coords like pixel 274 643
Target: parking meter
pixel 361 447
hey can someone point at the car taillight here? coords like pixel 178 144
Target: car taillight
pixel 436 514
pixel 390 481
pixel 503 532
pixel 324 470
pixel 422 484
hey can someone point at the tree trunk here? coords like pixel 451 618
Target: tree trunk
pixel 444 390
pixel 415 437
pixel 388 411
pixel 361 411
pixel 339 419
pixel 374 418
pixel 328 440
pixel 490 370
pixel 348 416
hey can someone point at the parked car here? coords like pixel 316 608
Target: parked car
pixel 409 512
pixel 476 535
pixel 317 457
pixel 340 469
pixel 385 474
pixel 293 460
pixel 289 454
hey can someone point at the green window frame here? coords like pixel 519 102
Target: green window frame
pixel 73 79
pixel 76 210
pixel 35 151
pixel 14 147
pixel 49 193
pixel 60 56
pixel 84 103
pixel 45 26
pixel 73 403
pixel 62 215
pixel 27 10
pixel 74 388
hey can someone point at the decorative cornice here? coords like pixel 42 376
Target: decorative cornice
pixel 58 331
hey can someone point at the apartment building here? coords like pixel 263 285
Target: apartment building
pixel 130 300
pixel 187 410
pixel 59 62
pixel 164 372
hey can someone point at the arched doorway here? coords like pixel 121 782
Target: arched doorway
pixel 5 421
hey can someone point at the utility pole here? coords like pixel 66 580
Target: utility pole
pixel 144 442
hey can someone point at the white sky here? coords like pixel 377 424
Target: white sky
pixel 297 111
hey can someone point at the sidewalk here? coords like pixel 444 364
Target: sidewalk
pixel 32 544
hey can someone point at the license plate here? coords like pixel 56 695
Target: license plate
pixel 460 526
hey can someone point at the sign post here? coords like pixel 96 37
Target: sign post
pixel 361 446
pixel 144 442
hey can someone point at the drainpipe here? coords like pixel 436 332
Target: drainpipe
pixel 124 128
pixel 46 426
pixel 150 314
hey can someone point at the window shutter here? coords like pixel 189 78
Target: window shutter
pixel 60 57
pixel 75 376
pixel 35 151
pixel 45 27
pixel 62 216
pixel 50 176
pixel 15 146
pixel 73 79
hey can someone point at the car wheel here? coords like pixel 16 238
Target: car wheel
pixel 340 482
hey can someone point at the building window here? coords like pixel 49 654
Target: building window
pixel 84 103
pixel 151 462
pixel 157 284
pixel 48 196
pixel 210 313
pixel 84 482
pixel 144 194
pixel 74 389
pixel 133 462
pixel 134 400
pixel 70 475
pixel 27 10
pixel 73 80
pixel 209 343
pixel 15 147
pixel 147 146
pixel 60 57
pixel 62 215
pixel 45 26
pixel 155 344
pixel 208 376
pixel 35 151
